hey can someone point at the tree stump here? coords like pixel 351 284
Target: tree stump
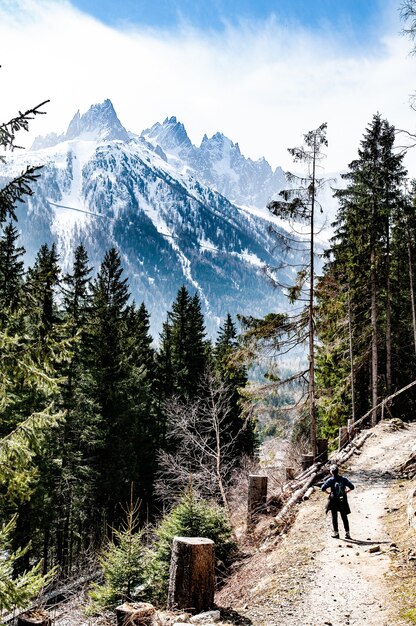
pixel 35 617
pixel 322 446
pixel 306 461
pixel 290 473
pixel 351 429
pixel 139 613
pixel 192 574
pixel 257 496
pixel 343 437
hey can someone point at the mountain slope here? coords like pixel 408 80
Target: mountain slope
pixel 104 189
pixel 219 163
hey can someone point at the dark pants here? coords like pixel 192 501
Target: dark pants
pixel 344 518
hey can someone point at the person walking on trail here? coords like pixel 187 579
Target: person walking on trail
pixel 338 486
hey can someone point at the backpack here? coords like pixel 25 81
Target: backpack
pixel 339 490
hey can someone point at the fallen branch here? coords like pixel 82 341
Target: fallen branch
pixel 294 499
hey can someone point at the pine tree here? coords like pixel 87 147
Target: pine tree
pixel 73 481
pixel 41 290
pixel 22 430
pixel 183 354
pixel 234 375
pixel 11 269
pixel 299 204
pixel 360 266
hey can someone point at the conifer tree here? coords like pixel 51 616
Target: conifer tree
pixel 183 355
pixel 73 482
pixel 11 269
pixel 234 375
pixel 22 430
pixel 299 204
pixel 360 267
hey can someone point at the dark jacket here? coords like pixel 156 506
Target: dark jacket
pixel 334 503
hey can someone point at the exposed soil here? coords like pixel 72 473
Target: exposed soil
pixel 307 578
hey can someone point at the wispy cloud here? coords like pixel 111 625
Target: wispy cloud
pixel 263 84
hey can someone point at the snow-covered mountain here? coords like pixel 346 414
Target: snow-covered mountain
pixel 219 163
pixel 156 197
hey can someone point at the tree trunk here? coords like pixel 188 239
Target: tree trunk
pixel 374 347
pixel 257 495
pixel 312 404
pixel 388 318
pixel 192 574
pixel 352 369
pixel 411 285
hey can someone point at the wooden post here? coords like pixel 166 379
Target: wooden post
pixel 35 617
pixel 257 495
pixel 343 437
pixel 306 461
pixel 290 473
pixel 351 429
pixel 130 613
pixel 192 574
pixel 322 445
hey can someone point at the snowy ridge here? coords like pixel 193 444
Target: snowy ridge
pixel 153 203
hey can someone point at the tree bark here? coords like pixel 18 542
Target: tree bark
pixel 411 285
pixel 192 574
pixel 374 347
pixel 257 495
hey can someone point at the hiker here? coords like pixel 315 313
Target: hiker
pixel 338 486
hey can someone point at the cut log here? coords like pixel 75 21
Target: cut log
pixel 192 574
pixel 296 497
pixel 308 493
pixel 35 617
pixel 257 496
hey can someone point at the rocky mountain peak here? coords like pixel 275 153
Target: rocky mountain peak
pixel 171 135
pixel 99 122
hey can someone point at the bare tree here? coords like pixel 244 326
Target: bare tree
pixel 204 449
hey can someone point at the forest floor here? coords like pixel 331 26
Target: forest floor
pixel 307 578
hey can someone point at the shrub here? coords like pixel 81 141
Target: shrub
pixel 190 518
pixel 124 567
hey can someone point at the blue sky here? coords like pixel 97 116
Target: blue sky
pixel 263 72
pixel 354 19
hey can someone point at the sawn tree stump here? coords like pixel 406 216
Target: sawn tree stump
pixel 131 613
pixel 192 574
pixel 35 617
pixel 257 496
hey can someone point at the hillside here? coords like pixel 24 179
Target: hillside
pixel 307 578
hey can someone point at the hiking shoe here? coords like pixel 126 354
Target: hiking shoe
pixel 335 535
pixel 347 536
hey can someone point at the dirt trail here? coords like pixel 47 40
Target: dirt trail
pixel 311 579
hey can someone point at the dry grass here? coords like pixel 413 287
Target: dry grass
pixel 402 575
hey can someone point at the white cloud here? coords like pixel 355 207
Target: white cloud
pixel 261 84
